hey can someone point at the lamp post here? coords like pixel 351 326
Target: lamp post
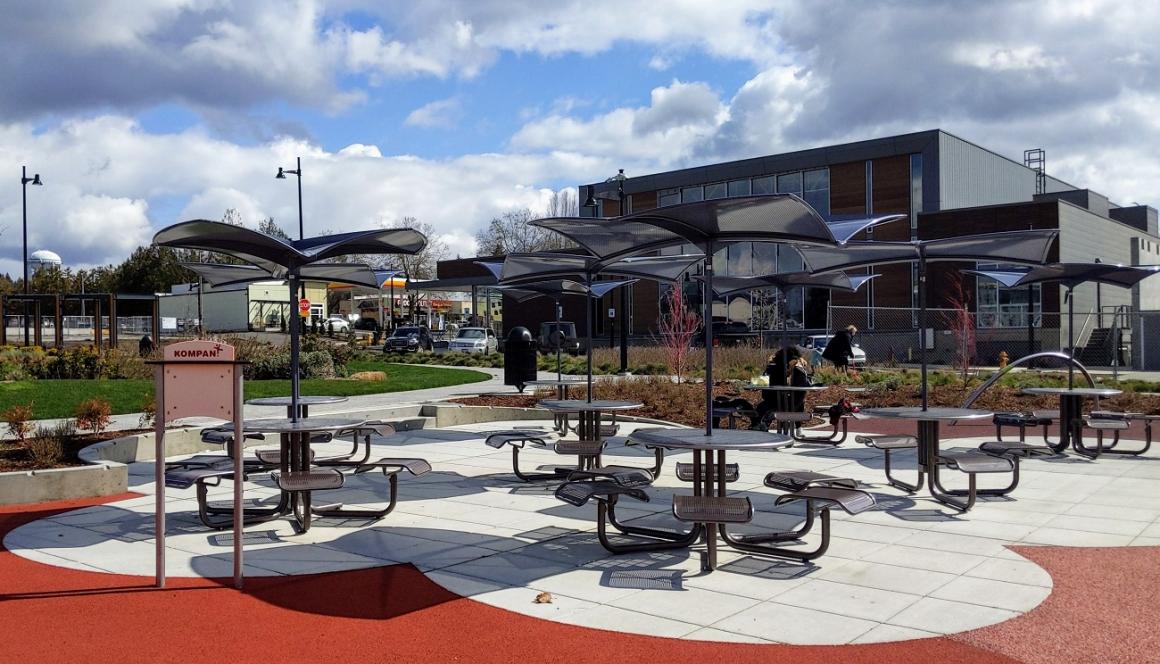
pixel 24 182
pixel 282 173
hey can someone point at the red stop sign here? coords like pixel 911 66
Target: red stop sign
pixel 304 307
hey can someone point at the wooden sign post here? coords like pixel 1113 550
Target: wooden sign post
pixel 197 378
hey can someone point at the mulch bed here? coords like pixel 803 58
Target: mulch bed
pixel 684 403
pixel 14 457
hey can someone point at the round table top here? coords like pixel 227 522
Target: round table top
pixel 722 439
pixel 1074 391
pixel 303 400
pixel 929 415
pixel 303 425
pixel 788 388
pixel 583 405
pixel 555 382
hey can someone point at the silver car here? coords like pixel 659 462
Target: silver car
pixel 475 340
pixel 817 343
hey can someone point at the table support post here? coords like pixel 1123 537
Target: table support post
pixel 239 477
pixel 159 477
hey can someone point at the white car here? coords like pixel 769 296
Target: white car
pixel 817 343
pixel 337 323
pixel 475 340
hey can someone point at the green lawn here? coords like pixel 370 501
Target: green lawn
pixel 59 398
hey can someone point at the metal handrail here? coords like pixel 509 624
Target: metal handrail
pixel 973 396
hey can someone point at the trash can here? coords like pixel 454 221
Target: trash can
pixel 519 358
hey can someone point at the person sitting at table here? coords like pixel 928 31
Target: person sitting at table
pixel 785 367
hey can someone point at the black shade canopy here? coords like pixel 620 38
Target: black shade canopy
pixel 560 287
pixel 724 286
pixel 772 218
pixel 1008 247
pixel 221 274
pixel 277 256
pixel 1071 275
pixel 525 268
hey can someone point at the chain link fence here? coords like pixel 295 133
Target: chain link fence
pixel 953 337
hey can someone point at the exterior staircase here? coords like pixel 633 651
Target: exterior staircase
pixel 1100 347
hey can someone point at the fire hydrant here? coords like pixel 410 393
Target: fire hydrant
pixel 1003 359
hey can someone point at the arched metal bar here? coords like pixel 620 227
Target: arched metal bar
pixel 1023 360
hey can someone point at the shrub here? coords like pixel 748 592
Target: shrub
pixel 93 415
pixel 19 419
pixel 47 447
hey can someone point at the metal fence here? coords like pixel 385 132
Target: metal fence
pixel 953 337
pixel 77 328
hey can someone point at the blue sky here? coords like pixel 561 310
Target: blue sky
pixel 139 114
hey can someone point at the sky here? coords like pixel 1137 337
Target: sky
pixel 139 114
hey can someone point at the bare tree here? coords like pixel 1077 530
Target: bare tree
pixel 511 232
pixel 269 227
pixel 563 203
pixel 678 327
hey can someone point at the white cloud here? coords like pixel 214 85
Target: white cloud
pixel 441 114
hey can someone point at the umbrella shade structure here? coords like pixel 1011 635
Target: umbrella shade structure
pixel 556 289
pixel 1070 275
pixel 708 225
pixel 532 268
pixel 724 286
pixel 293 260
pixel 1027 247
pixel 222 274
pixel 767 218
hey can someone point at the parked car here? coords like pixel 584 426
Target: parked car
pixel 475 340
pixel 409 338
pixel 562 335
pixel 367 324
pixel 337 324
pixel 817 343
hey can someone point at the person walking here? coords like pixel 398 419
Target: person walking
pixel 841 348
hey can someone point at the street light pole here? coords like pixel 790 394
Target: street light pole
pixel 282 172
pixel 24 182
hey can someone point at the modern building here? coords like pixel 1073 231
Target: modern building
pixel 945 186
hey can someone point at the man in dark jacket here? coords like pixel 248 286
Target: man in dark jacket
pixel 841 348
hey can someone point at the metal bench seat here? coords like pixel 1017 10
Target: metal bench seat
pixel 390 467
pixel 974 463
pixel 793 417
pixel 889 444
pixel 587 452
pixel 712 509
pixel 1025 420
pixel 1102 421
pixel 1016 449
pixel 819 501
pixel 316 479
pixel 797 480
pixel 623 475
pixel 606 492
pixel 685 472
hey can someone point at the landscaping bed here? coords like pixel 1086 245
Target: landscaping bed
pixel 685 403
pixel 63 453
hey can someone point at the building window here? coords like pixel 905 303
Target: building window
pixel 817 190
pixel 668 197
pixel 739 188
pixel 692 194
pixel 790 183
pixel 915 192
pixel 1000 307
pixel 763 185
pixel 715 190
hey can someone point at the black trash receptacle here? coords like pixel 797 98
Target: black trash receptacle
pixel 519 358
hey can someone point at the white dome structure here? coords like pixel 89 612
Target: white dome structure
pixel 43 258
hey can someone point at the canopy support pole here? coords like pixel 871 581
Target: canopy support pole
pixel 1070 342
pixel 558 337
pixel 295 342
pixel 588 325
pixel 707 321
pixel 922 319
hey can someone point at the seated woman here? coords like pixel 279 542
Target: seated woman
pixel 786 367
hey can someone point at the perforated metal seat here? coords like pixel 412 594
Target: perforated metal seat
pixel 1015 448
pixel 685 472
pixel 974 461
pixel 797 480
pixel 317 479
pixel 888 442
pixel 579 493
pixel 852 501
pixel 712 509
pixel 792 416
pixel 586 448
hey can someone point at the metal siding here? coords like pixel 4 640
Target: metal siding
pixel 970 176
pixel 1083 237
